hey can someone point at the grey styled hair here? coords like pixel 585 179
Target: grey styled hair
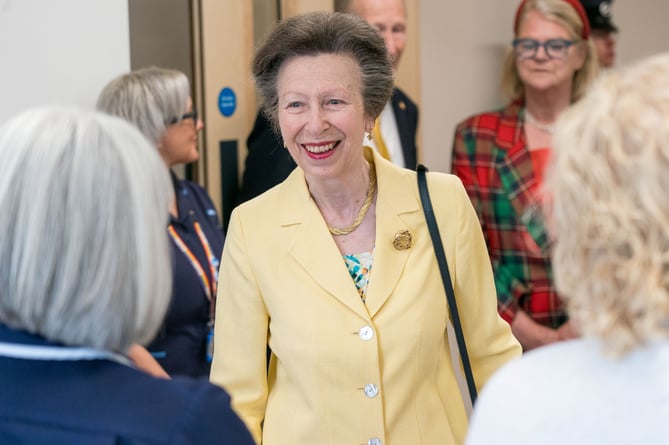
pixel 610 207
pixel 325 33
pixel 150 98
pixel 85 259
pixel 564 14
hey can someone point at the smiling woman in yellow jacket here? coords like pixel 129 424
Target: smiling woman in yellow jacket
pixel 356 323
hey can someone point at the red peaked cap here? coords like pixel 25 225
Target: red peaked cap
pixel 576 4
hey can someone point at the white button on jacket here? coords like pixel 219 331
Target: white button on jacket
pixel 366 333
pixel 371 390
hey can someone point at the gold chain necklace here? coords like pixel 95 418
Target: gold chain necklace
pixel 545 128
pixel 363 210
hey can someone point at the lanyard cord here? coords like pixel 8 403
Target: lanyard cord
pixel 209 286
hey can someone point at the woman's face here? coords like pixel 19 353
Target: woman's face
pixel 321 113
pixel 541 72
pixel 178 145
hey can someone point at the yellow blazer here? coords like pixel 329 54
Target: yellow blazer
pixel 343 371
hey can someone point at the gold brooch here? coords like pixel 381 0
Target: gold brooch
pixel 402 240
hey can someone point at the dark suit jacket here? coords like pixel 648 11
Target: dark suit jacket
pixel 269 163
pixel 102 402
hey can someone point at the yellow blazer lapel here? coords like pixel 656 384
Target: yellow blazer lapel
pixel 312 246
pixel 395 212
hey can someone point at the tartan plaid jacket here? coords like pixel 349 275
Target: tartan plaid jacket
pixel 491 157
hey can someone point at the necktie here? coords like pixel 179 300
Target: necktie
pixel 378 139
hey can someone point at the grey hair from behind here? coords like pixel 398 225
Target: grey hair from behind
pixel 85 256
pixel 150 98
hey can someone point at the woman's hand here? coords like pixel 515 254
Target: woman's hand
pixel 144 361
pixel 531 334
pixel 568 331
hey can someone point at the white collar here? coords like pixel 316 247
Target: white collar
pixel 58 353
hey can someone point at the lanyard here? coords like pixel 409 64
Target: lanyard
pixel 208 286
pixel 58 353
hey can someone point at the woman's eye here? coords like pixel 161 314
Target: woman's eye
pixel 293 105
pixel 556 45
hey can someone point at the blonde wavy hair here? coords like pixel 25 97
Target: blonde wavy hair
pixel 609 184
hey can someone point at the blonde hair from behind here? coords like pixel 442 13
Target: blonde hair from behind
pixel 610 207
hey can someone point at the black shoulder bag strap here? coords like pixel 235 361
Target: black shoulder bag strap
pixel 446 278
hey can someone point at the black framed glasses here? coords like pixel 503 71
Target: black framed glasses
pixel 554 48
pixel 190 115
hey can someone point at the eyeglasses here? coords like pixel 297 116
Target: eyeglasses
pixel 554 48
pixel 189 115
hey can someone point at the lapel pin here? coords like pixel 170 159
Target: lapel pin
pixel 402 240
pixel 402 105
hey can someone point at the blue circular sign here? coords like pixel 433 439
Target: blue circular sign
pixel 227 102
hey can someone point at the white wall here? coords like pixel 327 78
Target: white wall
pixel 643 28
pixel 60 51
pixel 462 47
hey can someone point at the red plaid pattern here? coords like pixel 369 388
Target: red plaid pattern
pixel 491 157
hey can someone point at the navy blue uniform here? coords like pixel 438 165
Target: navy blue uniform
pixel 181 345
pixel 96 401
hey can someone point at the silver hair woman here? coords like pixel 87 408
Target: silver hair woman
pixel 83 199
pixel 86 274
pixel 609 211
pixel 158 102
pixel 151 98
